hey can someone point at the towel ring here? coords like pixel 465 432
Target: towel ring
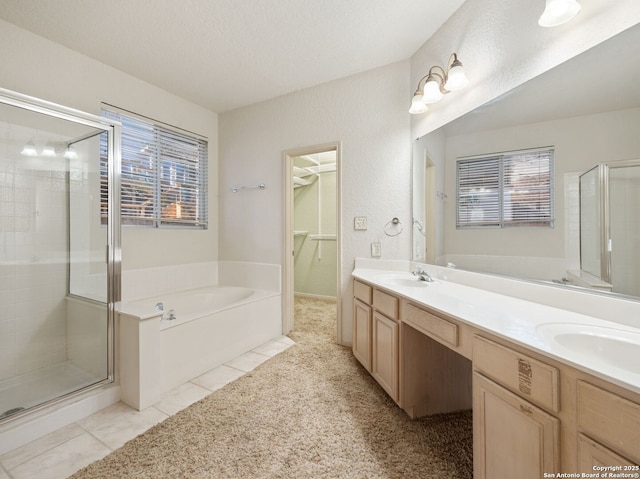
pixel 395 222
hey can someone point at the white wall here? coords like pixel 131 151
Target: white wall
pixel 367 114
pixel 35 66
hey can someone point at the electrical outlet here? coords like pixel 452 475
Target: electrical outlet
pixel 375 250
pixel 360 223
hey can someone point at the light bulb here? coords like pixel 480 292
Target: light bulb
pixel 432 91
pixel 48 150
pixel 29 149
pixel 557 12
pixel 456 79
pixel 417 105
pixel 70 154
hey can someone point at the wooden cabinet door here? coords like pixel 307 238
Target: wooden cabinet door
pixel 385 354
pixel 362 333
pixel 511 437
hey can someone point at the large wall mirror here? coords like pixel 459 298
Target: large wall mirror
pixel 586 110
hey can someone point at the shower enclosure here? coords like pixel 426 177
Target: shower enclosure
pixel 610 226
pixel 59 255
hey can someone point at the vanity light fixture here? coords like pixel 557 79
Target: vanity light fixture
pixel 557 12
pixel 29 149
pixel 49 149
pixel 70 153
pixel 436 83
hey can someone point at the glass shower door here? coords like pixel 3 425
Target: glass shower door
pixel 624 226
pixel 591 222
pixel 55 326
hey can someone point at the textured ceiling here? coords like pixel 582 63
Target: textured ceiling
pixel 224 54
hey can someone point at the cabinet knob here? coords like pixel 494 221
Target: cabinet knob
pixel 526 409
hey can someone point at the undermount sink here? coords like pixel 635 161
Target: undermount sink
pixel 616 347
pixel 401 279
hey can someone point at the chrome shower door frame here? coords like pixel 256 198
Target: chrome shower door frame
pixel 113 253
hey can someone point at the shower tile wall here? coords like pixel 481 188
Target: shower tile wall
pixel 572 220
pixel 33 262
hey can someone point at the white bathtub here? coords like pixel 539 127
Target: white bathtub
pixel 196 303
pixel 212 325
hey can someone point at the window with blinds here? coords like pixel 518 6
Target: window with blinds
pixel 164 174
pixel 505 190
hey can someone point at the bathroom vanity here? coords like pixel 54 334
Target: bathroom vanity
pixel 546 397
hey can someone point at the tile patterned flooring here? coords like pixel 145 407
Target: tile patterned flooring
pixel 65 451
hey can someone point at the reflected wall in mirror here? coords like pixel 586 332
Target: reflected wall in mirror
pixel 588 110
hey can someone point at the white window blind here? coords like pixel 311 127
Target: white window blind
pixel 506 189
pixel 164 174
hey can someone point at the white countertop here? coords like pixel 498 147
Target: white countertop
pixel 525 322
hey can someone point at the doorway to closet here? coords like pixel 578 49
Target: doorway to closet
pixel 312 230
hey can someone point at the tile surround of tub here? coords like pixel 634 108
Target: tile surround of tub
pixel 250 275
pixel 148 282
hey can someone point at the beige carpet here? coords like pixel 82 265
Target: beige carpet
pixel 310 412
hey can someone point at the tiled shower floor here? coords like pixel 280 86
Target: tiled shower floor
pixel 31 389
pixel 63 452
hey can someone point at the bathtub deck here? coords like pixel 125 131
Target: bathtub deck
pixel 73 447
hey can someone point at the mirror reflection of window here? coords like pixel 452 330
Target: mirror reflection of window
pixel 506 190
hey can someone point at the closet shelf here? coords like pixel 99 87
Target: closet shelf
pixel 322 237
pixel 297 181
pixel 300 174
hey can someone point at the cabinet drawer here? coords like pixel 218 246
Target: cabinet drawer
pixel 386 304
pixel 607 417
pixel 362 291
pixel 432 325
pixel 532 379
pixel 592 454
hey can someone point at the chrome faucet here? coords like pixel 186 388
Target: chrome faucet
pixel 422 275
pixel 159 306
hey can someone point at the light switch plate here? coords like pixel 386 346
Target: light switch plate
pixel 360 223
pixel 375 250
